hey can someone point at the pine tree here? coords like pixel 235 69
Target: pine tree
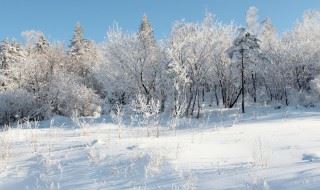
pixel 10 52
pixel 150 58
pixel 77 43
pixel 4 54
pixel 83 54
pixel 146 34
pixel 245 46
pixel 41 45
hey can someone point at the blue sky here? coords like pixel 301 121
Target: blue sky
pixel 56 18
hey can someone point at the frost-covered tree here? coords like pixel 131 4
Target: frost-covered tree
pixel 41 45
pixel 272 67
pixel 245 48
pixel 117 73
pixel 83 56
pixel 190 47
pixel 220 76
pixel 11 53
pixel 133 63
pixel 149 60
pixel 30 38
pixel 44 74
pixel 146 35
pixel 302 43
pixel 77 44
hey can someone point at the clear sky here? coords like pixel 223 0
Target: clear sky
pixel 56 18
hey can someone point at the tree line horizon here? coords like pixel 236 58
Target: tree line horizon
pixel 198 65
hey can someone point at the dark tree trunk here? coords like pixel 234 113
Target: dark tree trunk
pixel 146 90
pixel 216 95
pixel 242 80
pixel 286 97
pixel 223 94
pixel 196 96
pixel 235 100
pixel 162 102
pixel 199 107
pixel 189 101
pixel 175 103
pixel 203 94
pixel 253 76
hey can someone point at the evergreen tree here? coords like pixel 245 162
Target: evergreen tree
pixel 41 45
pixel 77 43
pixel 245 47
pixel 146 34
pixel 150 58
pixel 83 54
pixel 10 52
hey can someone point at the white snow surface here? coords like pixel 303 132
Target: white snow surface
pixel 263 149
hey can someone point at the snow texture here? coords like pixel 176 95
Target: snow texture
pixel 262 149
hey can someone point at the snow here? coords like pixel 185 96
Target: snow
pixel 262 149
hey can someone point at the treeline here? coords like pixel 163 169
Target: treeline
pixel 200 64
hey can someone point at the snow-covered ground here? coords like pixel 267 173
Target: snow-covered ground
pixel 263 149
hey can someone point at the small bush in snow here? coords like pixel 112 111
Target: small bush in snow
pixel 149 111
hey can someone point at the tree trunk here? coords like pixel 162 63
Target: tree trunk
pixel 216 95
pixel 223 94
pixel 194 100
pixel 286 96
pixel 147 92
pixel 203 94
pixel 175 103
pixel 162 101
pixel 235 100
pixel 189 101
pixel 253 76
pixel 199 107
pixel 242 81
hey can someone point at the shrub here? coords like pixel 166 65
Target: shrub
pixel 18 105
pixel 67 96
